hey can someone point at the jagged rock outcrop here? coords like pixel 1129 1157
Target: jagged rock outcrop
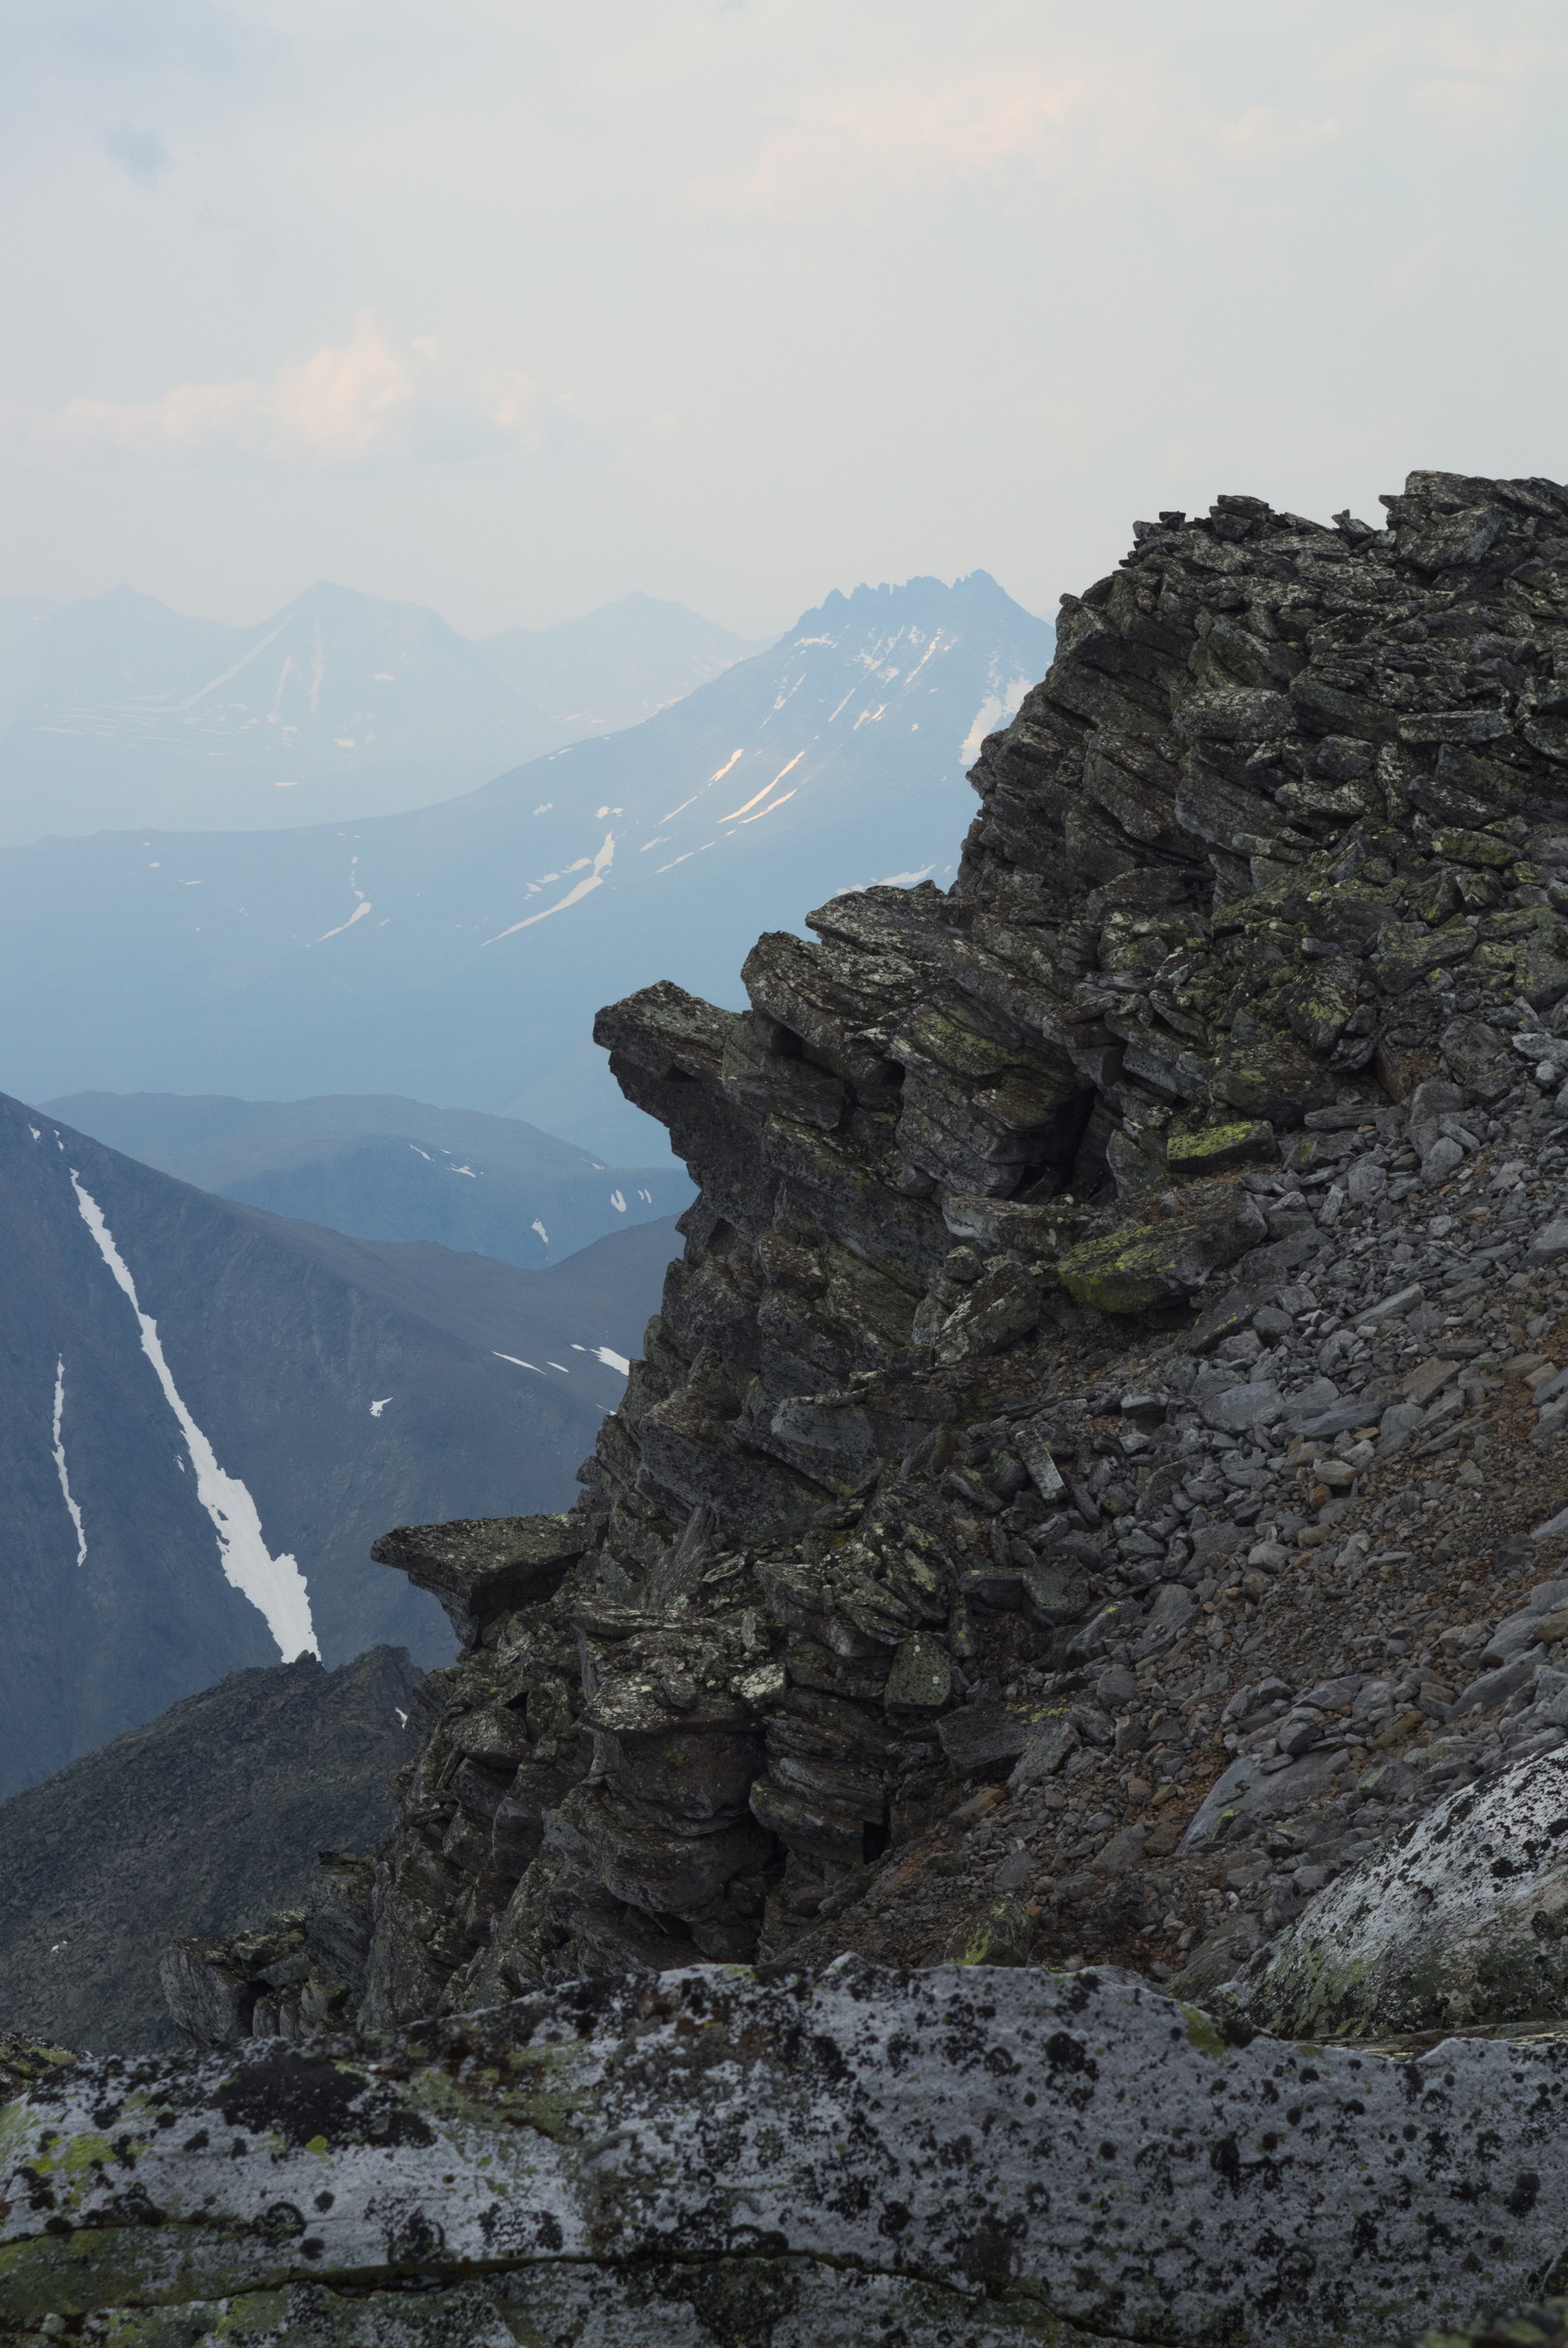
pixel 1261 895
pixel 1261 891
pixel 943 2157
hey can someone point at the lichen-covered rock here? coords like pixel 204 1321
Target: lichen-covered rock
pixel 1193 1154
pixel 1463 1922
pixel 1144 1264
pixel 979 2152
pixel 1545 2326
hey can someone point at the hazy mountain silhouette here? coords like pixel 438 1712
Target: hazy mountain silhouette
pixel 460 952
pixel 116 711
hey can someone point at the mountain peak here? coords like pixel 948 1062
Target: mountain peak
pixel 923 596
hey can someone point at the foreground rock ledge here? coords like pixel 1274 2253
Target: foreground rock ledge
pixel 964 2154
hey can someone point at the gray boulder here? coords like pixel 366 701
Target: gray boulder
pixel 1461 1923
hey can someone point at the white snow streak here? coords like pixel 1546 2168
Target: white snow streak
pixel 377 1408
pixel 602 862
pixel 772 808
pixel 996 709
pixel 60 1460
pixel 178 707
pixel 274 1586
pixel 357 914
pixel 536 1225
pixel 618 1202
pixel 614 1360
pixel 36 1135
pixel 767 787
pixel 361 909
pixel 517 1361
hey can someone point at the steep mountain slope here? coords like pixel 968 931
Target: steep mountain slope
pixel 383 1168
pixel 209 1413
pixel 202 1819
pixel 120 712
pixel 462 951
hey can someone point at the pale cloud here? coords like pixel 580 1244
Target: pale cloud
pixel 1269 133
pixel 734 303
pixel 139 153
pixel 346 404
pixel 887 137
pixel 1099 122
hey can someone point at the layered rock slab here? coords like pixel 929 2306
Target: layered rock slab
pixel 959 2153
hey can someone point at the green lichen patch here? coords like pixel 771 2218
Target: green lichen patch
pixel 1217 1149
pixel 1483 850
pixel 1145 1264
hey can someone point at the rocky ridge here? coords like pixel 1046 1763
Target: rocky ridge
pixel 209 1818
pixel 1082 1494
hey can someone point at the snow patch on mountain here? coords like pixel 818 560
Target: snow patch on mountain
pixel 274 1586
pixel 60 1460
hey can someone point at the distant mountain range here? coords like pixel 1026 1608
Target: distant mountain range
pixel 380 1168
pixel 117 711
pixel 208 1413
pixel 460 952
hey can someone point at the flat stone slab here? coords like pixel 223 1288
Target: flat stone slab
pixel 479 1566
pixel 976 2154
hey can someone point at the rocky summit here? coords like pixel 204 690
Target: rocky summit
pixel 1093 1501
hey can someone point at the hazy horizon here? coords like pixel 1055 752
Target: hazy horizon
pixel 508 313
pixel 255 618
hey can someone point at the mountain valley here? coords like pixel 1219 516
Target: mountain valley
pixel 210 1411
pixel 380 1168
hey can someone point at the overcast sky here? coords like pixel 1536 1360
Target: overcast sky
pixel 509 308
